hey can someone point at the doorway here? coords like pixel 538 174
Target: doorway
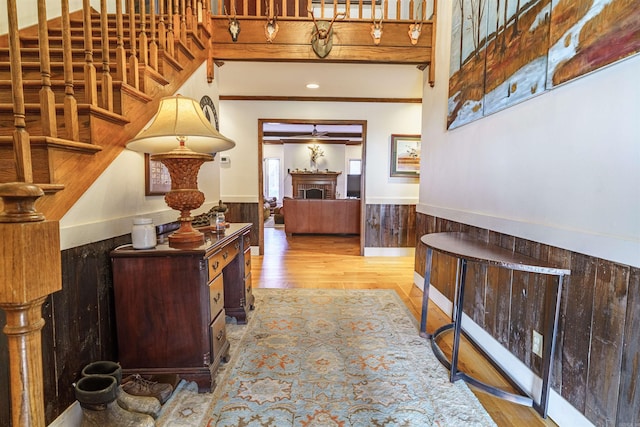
pixel 342 144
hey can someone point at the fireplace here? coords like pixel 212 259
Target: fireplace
pixel 323 184
pixel 314 193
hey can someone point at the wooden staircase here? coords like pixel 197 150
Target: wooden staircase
pixel 91 118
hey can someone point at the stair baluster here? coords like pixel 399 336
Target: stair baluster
pixel 153 45
pixel 162 29
pixel 143 40
pixel 90 80
pixel 107 81
pixel 21 140
pixel 190 15
pixel 47 99
pixel 170 35
pixel 134 73
pixel 183 22
pixel 121 54
pixel 70 103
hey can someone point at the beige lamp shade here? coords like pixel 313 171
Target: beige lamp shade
pixel 180 118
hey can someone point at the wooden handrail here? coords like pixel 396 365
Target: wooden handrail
pixel 354 9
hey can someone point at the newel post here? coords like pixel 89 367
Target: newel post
pixel 30 270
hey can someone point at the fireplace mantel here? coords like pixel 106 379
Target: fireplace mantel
pixel 325 181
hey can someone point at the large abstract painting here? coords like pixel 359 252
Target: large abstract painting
pixel 506 51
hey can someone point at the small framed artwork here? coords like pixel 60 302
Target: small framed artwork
pixel 405 155
pixel 157 179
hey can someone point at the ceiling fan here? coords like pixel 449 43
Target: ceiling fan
pixel 314 134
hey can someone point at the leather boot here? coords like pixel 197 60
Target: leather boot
pixel 143 404
pixel 139 386
pixel 97 397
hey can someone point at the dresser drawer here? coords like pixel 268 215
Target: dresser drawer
pixel 216 296
pixel 229 251
pixel 248 290
pixel 221 258
pixel 247 262
pixel 218 336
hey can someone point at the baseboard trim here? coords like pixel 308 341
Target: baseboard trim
pixel 71 417
pixel 389 252
pixel 559 410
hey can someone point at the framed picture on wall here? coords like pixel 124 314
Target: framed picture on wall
pixel 157 180
pixel 405 155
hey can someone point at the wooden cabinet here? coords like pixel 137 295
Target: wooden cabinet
pixel 171 304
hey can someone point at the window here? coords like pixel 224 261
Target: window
pixel 355 166
pixel 272 177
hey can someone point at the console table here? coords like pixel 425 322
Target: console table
pixel 171 304
pixel 466 249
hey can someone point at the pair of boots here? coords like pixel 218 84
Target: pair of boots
pixel 105 404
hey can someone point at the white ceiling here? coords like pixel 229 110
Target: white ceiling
pixel 335 80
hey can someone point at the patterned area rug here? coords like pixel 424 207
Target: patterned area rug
pixel 328 358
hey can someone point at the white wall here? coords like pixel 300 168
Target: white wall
pixel 561 169
pixel 240 123
pixel 27 12
pixel 108 207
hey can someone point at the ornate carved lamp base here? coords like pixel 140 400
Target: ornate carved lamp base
pixel 183 165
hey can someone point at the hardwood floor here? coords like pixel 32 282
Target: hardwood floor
pixel 320 261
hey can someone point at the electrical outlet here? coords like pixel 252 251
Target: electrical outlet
pixel 536 347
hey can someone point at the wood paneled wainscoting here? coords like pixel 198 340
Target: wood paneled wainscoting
pixel 597 354
pixel 245 212
pixel 390 226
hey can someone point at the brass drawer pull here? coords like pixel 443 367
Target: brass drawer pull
pixel 248 262
pixel 216 264
pixel 225 255
pixel 220 335
pixel 236 245
pixel 217 298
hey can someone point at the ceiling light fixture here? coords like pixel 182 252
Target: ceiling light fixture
pixel 313 86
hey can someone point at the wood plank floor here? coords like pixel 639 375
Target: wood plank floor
pixel 310 261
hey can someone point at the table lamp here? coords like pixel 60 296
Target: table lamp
pixel 182 139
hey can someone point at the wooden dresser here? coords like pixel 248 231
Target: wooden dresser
pixel 171 304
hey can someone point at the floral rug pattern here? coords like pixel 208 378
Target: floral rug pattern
pixel 329 358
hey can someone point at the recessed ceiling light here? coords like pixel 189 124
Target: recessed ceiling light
pixel 313 86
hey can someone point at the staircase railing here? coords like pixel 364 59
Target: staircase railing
pixel 20 298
